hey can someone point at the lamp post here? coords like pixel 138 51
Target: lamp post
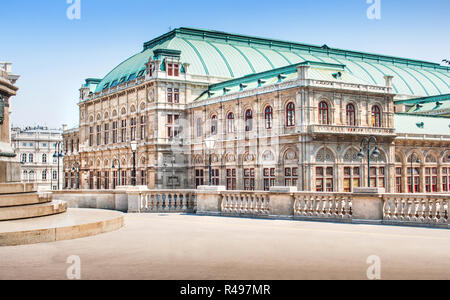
pixel 58 154
pixel 118 171
pixel 76 169
pixel 173 172
pixel 414 155
pixel 209 143
pixel 133 175
pixel 375 153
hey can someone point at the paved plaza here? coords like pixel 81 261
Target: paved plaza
pixel 163 246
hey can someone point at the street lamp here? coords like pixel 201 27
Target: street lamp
pixel 134 148
pixel 118 166
pixel 375 153
pixel 209 143
pixel 76 169
pixel 414 155
pixel 173 172
pixel 58 154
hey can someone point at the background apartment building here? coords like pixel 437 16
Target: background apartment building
pixel 36 148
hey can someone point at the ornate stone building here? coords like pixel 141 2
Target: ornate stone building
pixel 35 147
pixel 280 113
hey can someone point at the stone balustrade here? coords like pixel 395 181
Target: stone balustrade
pixel 167 201
pixel 339 129
pixel 416 208
pixel 323 205
pixel 245 203
pixel 280 202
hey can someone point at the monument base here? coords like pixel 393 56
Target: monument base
pixel 9 170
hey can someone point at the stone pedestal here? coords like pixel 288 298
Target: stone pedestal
pixel 9 170
pixel 367 204
pixel 281 201
pixel 208 199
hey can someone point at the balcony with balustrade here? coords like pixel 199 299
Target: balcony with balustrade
pixel 350 130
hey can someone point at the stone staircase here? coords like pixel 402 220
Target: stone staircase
pixel 21 201
pixel 28 217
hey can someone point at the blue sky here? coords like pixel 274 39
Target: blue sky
pixel 54 55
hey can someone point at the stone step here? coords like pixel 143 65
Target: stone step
pixel 32 211
pixel 7 200
pixel 16 188
pixel 75 223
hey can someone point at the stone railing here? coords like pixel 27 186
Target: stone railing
pixel 245 203
pixel 416 208
pixel 338 129
pixel 371 208
pixel 280 202
pixel 323 205
pixel 167 201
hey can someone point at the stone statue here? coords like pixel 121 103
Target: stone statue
pixel 9 164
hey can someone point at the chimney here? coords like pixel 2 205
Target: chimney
pixel 388 79
pixel 303 72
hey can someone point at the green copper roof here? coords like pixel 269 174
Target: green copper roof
pixel 219 54
pixel 420 124
pixel 318 71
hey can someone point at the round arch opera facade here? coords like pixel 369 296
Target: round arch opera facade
pixel 281 113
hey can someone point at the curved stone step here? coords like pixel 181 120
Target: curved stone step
pixel 7 200
pixel 32 211
pixel 15 188
pixel 75 223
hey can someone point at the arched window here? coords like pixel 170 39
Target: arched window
pixel 214 125
pixel 248 120
pixel 376 116
pixel 199 127
pixel 269 117
pixel 230 123
pixel 323 113
pixel 24 158
pixel 290 114
pixel 44 158
pixel 351 119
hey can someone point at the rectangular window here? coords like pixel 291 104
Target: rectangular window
pixel 231 179
pixel 249 179
pixel 398 180
pixel 91 136
pixel 106 180
pixel 431 180
pixel 123 131
pixel 347 180
pixel 99 135
pixel 143 177
pixel 142 128
pixel 106 134
pixel 324 179
pixel 98 181
pixel 114 133
pixel 199 177
pixel 176 96
pixel 123 178
pixel 169 95
pixel 133 129
pixel 215 177
pixel 115 181
pixel 268 178
pixel 173 69
pixel 416 182
pixel 445 181
pixel 173 129
pixel 290 176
